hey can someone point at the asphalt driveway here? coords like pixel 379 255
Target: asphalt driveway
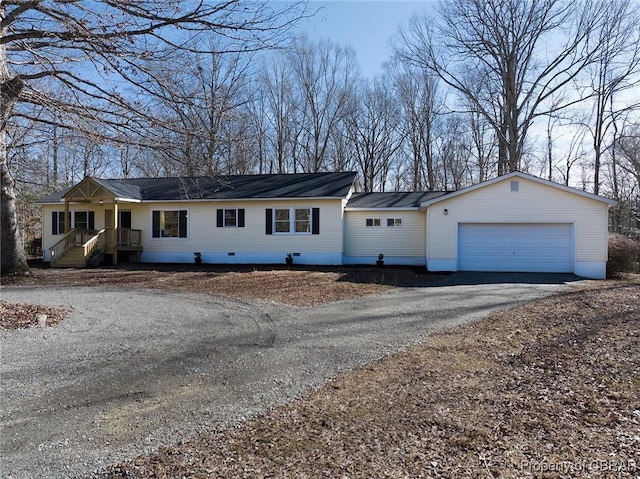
pixel 131 370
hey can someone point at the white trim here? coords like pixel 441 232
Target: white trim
pixel 407 208
pixel 518 174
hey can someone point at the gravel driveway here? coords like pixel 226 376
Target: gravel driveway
pixel 131 370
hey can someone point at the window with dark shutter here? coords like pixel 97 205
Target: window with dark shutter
pixel 269 221
pixel 156 224
pixel 54 223
pixel 183 224
pixel 315 221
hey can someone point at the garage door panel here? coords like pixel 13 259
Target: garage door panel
pixel 515 247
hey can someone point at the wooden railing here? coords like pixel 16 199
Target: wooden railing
pixel 123 238
pixel 129 237
pixel 67 241
pixel 94 244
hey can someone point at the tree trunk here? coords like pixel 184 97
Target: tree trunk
pixel 12 260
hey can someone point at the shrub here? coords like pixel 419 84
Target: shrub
pixel 624 254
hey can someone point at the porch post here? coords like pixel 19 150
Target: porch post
pixel 115 231
pixel 67 226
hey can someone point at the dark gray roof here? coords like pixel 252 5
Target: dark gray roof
pixel 297 185
pixel 392 199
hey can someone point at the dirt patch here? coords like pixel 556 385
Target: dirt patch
pixel 293 286
pixel 298 286
pixel 549 390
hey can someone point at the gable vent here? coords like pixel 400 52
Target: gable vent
pixel 515 186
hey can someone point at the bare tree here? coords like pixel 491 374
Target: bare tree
pixel 198 100
pixel 277 89
pixel 525 51
pixel 89 48
pixel 417 92
pixel 375 132
pixel 325 76
pixel 615 71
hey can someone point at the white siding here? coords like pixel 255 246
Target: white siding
pixel 406 241
pixel 204 236
pixel 532 203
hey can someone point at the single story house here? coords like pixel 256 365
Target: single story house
pixel 515 222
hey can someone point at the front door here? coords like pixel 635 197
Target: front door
pixel 124 227
pixel 124 219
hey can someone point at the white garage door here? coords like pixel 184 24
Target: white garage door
pixel 515 247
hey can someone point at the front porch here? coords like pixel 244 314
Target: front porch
pixel 89 204
pixel 79 248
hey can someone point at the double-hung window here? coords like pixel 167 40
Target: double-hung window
pixel 57 222
pixel 169 224
pixel 282 220
pixel 303 220
pixel 297 221
pixel 230 218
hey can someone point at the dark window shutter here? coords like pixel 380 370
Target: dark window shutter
pixel 269 221
pixel 240 217
pixel 220 218
pixel 54 222
pixel 92 221
pixel 156 224
pixel 315 221
pixel 183 224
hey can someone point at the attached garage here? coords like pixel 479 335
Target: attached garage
pixel 515 247
pixel 518 223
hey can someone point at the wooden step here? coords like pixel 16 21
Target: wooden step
pixel 72 258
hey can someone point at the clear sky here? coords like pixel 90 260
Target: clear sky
pixel 366 25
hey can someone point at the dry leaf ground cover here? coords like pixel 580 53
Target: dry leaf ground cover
pixel 297 286
pixel 546 390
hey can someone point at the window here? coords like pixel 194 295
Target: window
pixel 81 220
pixel 373 222
pixel 394 222
pixel 230 218
pixel 515 186
pixel 170 224
pixel 293 221
pixel 57 222
pixel 303 220
pixel 281 221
